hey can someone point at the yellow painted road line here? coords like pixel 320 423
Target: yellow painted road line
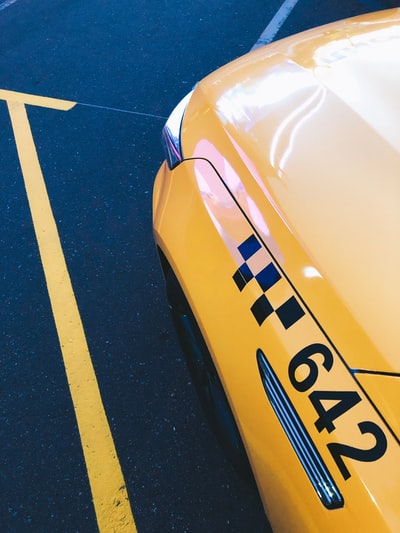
pixel 32 99
pixel 107 484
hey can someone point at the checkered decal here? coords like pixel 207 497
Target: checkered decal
pixel 289 312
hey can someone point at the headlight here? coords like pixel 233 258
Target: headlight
pixel 171 134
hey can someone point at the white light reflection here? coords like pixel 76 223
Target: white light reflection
pixel 311 272
pixel 315 102
pixel 332 52
pixel 339 49
pixel 248 102
pixel 209 198
pixel 257 217
pixel 366 77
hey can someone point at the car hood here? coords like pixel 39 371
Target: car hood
pixel 311 126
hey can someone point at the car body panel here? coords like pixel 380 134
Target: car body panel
pixel 388 402
pixel 286 135
pixel 203 228
pixel 257 276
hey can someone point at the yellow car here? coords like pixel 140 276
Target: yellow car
pixel 277 221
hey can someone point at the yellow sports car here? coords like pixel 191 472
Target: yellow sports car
pixel 277 221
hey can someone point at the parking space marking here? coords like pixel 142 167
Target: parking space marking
pixel 32 99
pixel 110 497
pixel 276 23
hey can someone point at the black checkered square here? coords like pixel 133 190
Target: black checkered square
pixel 289 312
pixel 242 276
pixel 261 309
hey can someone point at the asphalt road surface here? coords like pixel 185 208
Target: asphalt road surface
pixel 94 393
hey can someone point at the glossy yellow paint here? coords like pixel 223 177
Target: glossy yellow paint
pixel 291 159
pixel 285 111
pixel 107 484
pixel 388 401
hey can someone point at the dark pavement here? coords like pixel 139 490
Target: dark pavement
pixel 126 64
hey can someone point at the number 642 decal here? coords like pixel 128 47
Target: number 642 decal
pixel 345 400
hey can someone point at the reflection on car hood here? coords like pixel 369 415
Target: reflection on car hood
pixel 316 120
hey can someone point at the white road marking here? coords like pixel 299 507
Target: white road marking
pixel 6 3
pixel 276 23
pixel 123 111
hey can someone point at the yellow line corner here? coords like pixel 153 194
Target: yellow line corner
pixel 106 480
